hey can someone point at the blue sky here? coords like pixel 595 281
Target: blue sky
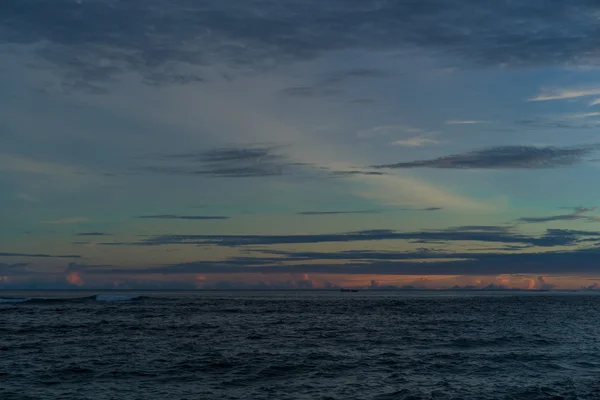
pixel 298 144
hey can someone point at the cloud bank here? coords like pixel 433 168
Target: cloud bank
pixel 505 157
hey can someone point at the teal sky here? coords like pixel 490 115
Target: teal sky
pixel 312 144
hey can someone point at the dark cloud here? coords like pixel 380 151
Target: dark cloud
pixel 233 162
pixel 94 234
pixel 35 255
pixel 505 157
pixel 339 212
pixel 481 228
pixel 358 255
pixel 350 173
pixel 419 209
pixel 188 217
pixel 576 262
pixel 579 213
pixel 552 237
pixel 90 42
pixel 583 261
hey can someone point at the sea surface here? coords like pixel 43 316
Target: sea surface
pixel 299 345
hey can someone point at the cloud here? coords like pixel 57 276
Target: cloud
pixel 94 234
pixel 416 141
pixel 358 172
pixel 553 123
pixel 72 220
pixel 401 190
pixel 505 157
pixel 584 115
pixel 464 122
pixel 120 38
pixel 339 212
pixel 543 285
pixel 232 162
pixel 489 234
pixel 366 211
pixel 593 286
pixel 577 214
pixel 565 94
pixel 364 262
pixel 594 102
pixel 11 270
pixel 388 130
pixel 74 278
pixel 36 255
pixel 188 217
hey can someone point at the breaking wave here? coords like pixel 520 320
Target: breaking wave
pixel 12 300
pixel 97 297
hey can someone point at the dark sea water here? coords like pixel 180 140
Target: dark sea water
pixel 300 345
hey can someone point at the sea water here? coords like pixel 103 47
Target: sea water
pixel 299 345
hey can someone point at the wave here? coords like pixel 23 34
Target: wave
pixel 97 297
pixel 13 300
pixel 115 297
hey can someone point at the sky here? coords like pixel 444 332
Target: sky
pixel 299 144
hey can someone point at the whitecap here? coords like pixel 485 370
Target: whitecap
pixel 8 300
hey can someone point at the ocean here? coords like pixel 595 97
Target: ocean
pixel 299 345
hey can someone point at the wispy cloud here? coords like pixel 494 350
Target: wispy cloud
pixel 367 211
pixel 584 115
pixel 184 217
pixel 416 141
pixel 579 213
pixel 422 139
pixel 565 94
pixel 505 157
pixel 464 122
pixel 37 255
pixel 565 122
pixel 233 162
pixel 339 212
pixel 388 130
pixel 71 220
pixel 594 102
pixel 400 191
